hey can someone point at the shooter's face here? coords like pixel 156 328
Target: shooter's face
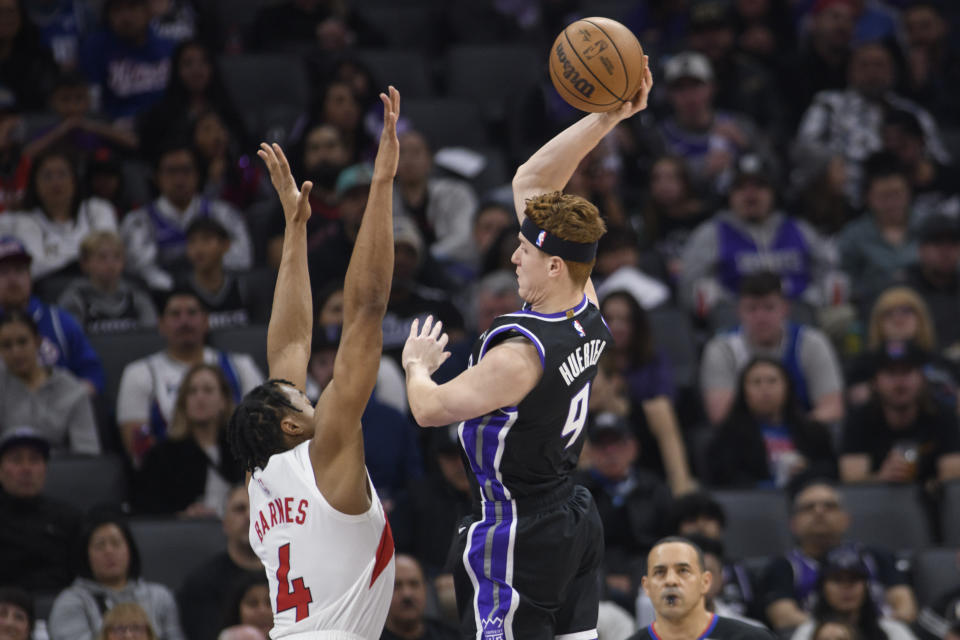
pixel 532 267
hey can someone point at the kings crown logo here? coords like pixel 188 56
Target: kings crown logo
pixel 493 629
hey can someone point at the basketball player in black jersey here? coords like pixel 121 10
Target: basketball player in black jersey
pixel 530 554
pixel 677 582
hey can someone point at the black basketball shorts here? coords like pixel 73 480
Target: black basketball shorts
pixel 532 575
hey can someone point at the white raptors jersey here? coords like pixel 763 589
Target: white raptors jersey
pixel 331 574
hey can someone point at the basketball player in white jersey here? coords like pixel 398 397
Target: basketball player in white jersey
pixel 315 519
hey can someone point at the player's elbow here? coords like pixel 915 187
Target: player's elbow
pixel 524 178
pixel 426 416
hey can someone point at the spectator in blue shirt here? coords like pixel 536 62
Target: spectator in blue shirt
pixel 63 342
pixel 126 60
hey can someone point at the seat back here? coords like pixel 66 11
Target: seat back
pixel 257 81
pixel 116 351
pixel 405 70
pixel 251 340
pixel 757 522
pixel 673 332
pixel 171 549
pixel 403 26
pixel 935 572
pixel 950 513
pixel 447 122
pixel 491 75
pixel 886 516
pixel 87 482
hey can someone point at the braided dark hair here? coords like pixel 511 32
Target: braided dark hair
pixel 254 431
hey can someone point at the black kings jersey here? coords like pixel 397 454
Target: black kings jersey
pixel 530 449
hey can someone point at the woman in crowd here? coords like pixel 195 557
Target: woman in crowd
pixel 648 381
pixel 191 472
pixel 900 314
pixel 339 106
pixel 194 87
pixel 109 573
pixel 231 175
pixel 766 440
pixel 842 594
pixel 250 605
pixel 671 213
pixel 49 399
pixel 55 217
pixel 127 620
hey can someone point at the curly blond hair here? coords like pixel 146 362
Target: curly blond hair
pixel 570 218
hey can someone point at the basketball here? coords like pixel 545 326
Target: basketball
pixel 596 64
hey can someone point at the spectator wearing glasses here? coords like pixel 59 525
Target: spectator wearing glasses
pixel 819 523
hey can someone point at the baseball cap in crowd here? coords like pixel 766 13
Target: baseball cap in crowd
pixel 358 175
pixel 24 436
pixel 608 427
pixel 688 64
pixel 11 249
pixel 844 561
pixel 899 353
pixel 751 167
pixel 939 228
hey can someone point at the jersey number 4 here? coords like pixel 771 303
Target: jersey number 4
pixel 299 597
pixel 577 415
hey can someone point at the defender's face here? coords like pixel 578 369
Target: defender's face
pixel 302 420
pixel 532 266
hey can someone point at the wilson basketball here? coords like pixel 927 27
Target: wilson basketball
pixel 596 64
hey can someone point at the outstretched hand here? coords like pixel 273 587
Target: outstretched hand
pixel 639 101
pixel 296 202
pixel 388 154
pixel 425 346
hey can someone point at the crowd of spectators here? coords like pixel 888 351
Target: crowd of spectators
pixel 781 278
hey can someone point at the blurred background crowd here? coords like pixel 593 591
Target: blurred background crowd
pixel 781 277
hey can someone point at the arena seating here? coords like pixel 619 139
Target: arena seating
pixel 935 571
pixel 757 522
pixel 887 516
pixel 405 70
pixel 87 482
pixel 195 542
pixel 950 514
